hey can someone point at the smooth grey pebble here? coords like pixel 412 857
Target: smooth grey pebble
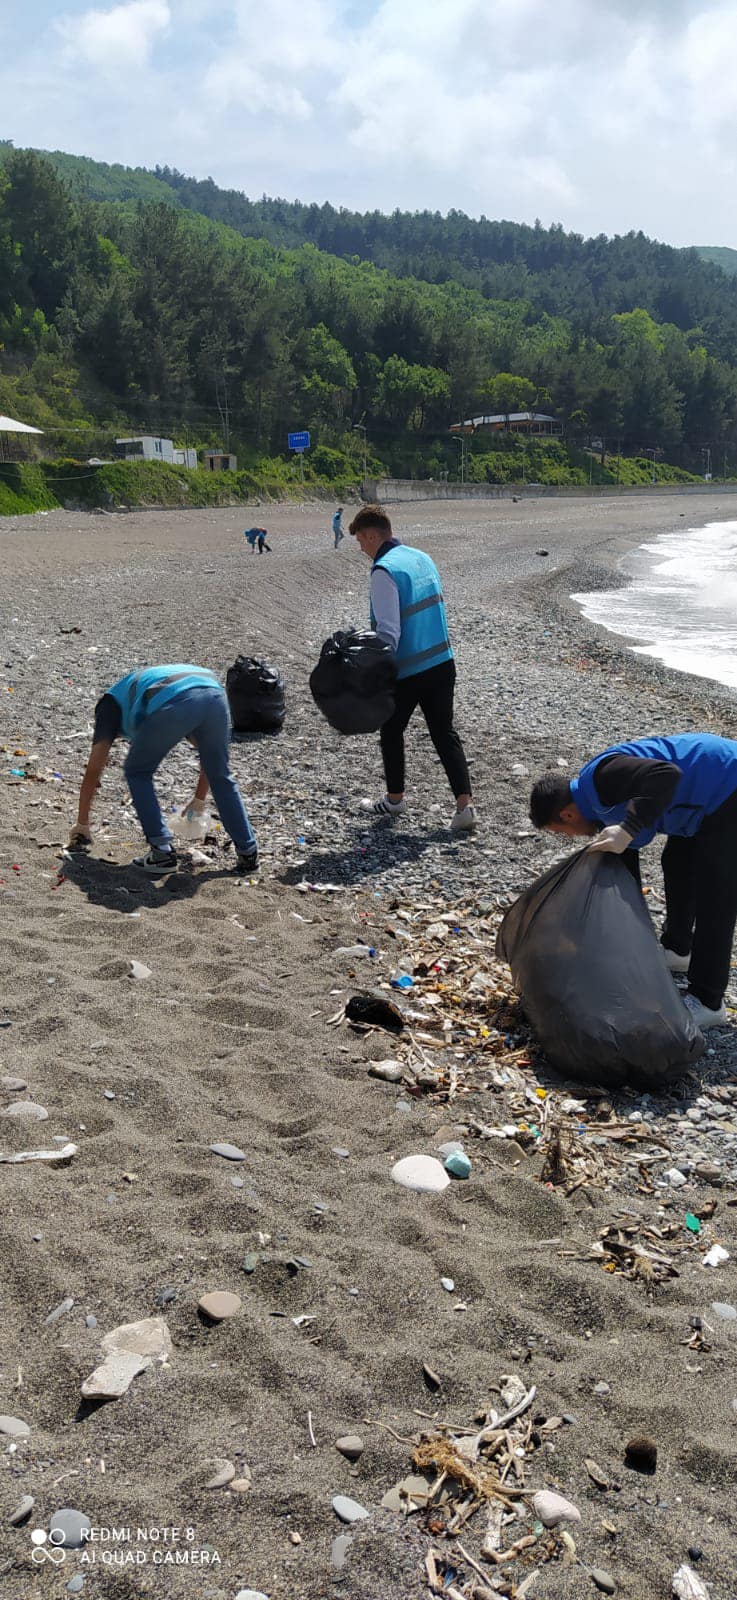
pixel 339 1550
pixel 73 1524
pixel 22 1510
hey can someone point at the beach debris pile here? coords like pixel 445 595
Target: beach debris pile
pixel 461 1041
pixel 485 1471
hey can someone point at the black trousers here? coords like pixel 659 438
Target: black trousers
pixel 432 691
pixel 701 901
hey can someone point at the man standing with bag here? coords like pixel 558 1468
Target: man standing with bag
pixel 155 707
pixel 684 786
pixel 408 613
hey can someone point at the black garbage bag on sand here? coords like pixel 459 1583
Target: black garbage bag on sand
pixel 256 696
pixel 353 682
pixel 592 977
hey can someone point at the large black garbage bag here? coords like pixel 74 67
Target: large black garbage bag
pixel 256 696
pixel 353 682
pixel 592 977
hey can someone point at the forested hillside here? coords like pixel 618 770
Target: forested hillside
pixel 720 256
pixel 149 301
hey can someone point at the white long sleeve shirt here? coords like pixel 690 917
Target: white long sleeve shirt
pixel 385 606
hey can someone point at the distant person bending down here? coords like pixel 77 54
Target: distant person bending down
pixel 337 527
pixel 257 536
pixel 408 613
pixel 685 786
pixel 154 708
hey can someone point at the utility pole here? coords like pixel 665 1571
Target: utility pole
pixel 462 443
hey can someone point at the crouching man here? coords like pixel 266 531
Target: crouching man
pixel 155 707
pixel 684 786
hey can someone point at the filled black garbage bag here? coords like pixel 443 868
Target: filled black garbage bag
pixel 592 977
pixel 353 682
pixel 256 696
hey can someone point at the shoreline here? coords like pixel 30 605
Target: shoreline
pixel 231 1039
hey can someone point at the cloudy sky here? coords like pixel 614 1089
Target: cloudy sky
pixel 604 115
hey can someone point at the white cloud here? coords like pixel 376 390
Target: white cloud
pixel 602 117
pixel 118 39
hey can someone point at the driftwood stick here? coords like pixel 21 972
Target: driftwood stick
pixel 516 1411
pixel 373 1422
pixel 477 1569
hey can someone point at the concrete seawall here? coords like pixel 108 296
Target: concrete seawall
pixel 391 490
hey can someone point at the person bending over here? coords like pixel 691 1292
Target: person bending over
pixel 408 613
pixel 257 536
pixel 154 708
pixel 684 786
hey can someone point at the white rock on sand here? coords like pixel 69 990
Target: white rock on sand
pixel 129 1350
pixel 421 1173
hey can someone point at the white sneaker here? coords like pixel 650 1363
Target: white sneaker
pixel 702 1015
pixel 464 821
pixel 674 962
pixel 386 807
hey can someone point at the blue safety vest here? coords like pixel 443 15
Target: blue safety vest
pixel 141 693
pixel 708 778
pixel 423 641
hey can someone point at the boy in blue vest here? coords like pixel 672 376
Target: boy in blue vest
pixel 155 707
pixel 338 527
pixel 408 613
pixel 684 786
pixel 257 536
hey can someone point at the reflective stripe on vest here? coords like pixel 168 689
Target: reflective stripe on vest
pixel 423 640
pixel 139 694
pixel 708 777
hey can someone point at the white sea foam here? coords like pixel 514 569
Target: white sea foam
pixel 681 603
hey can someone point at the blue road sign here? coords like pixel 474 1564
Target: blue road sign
pixel 298 441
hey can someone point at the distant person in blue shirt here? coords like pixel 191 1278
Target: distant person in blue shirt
pixel 683 785
pixel 257 536
pixel 337 528
pixel 154 708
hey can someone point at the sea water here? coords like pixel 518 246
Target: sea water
pixel 681 601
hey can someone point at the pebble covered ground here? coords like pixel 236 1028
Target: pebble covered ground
pixel 226 1043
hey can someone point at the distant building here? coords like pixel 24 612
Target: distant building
pixel 146 447
pixel 535 423
pixel 220 461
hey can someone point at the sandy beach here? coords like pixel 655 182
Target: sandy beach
pixel 230 1039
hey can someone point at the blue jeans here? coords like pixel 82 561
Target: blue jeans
pixel 203 714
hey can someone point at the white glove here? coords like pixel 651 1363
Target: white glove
pixel 615 840
pixel 195 809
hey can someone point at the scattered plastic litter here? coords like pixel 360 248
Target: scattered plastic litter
pixel 716 1256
